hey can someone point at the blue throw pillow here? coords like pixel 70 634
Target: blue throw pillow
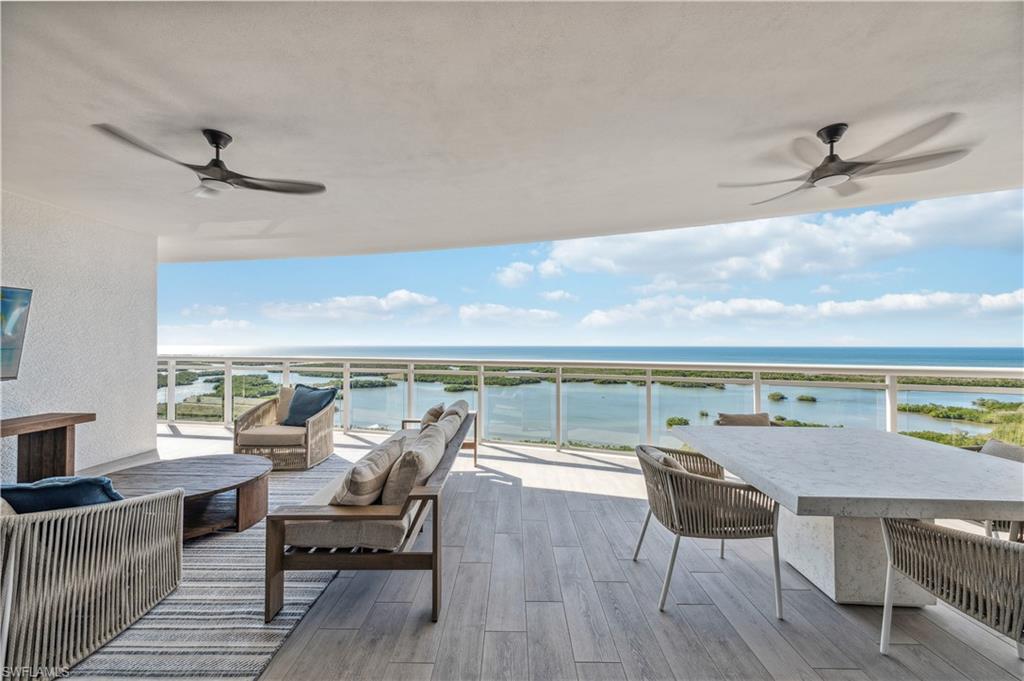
pixel 61 492
pixel 308 402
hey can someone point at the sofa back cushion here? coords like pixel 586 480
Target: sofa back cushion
pixel 363 483
pixel 759 419
pixel 1004 450
pixel 432 414
pixel 284 401
pixel 50 494
pixel 460 407
pixel 308 402
pixel 449 425
pixel 415 465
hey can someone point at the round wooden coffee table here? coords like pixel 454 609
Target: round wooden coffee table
pixel 221 490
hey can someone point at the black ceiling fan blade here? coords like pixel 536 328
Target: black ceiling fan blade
pixel 282 186
pixel 734 185
pixel 848 188
pixel 803 186
pixel 132 141
pixel 910 139
pixel 910 164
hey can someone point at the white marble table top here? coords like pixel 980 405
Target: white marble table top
pixel 864 473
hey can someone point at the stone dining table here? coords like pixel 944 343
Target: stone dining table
pixel 833 484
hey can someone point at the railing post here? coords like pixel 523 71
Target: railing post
pixel 891 403
pixel 558 408
pixel 286 374
pixel 649 409
pixel 410 390
pixel 480 399
pixel 757 392
pixel 172 380
pixel 229 395
pixel 346 397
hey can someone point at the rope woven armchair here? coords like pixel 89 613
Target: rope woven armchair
pixel 688 495
pixel 979 576
pixel 302 448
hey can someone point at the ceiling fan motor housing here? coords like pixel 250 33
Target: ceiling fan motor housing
pixel 216 138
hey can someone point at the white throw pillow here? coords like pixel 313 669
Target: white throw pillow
pixel 364 482
pixel 432 414
pixel 415 465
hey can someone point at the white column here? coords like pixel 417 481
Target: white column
pixel 558 407
pixel 410 392
pixel 229 397
pixel 480 401
pixel 649 411
pixel 757 392
pixel 346 397
pixel 891 402
pixel 286 374
pixel 172 380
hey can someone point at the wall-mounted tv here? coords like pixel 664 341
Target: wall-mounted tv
pixel 14 304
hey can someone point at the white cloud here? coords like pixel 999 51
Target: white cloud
pixel 493 313
pixel 357 308
pixel 825 290
pixel 230 324
pixel 559 295
pixel 549 268
pixel 798 245
pixel 672 310
pixel 202 310
pixel 514 274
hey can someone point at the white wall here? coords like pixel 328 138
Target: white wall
pixel 91 339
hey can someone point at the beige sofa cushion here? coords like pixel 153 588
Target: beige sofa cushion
pixel 1004 450
pixel 284 401
pixel 432 414
pixel 273 436
pixel 449 425
pixel 460 407
pixel 415 465
pixel 363 483
pixel 760 419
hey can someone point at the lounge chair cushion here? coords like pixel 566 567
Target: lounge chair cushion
pixel 370 534
pixel 449 425
pixel 273 436
pixel 415 465
pixel 1004 450
pixel 284 400
pixel 362 484
pixel 759 419
pixel 432 414
pixel 460 407
pixel 308 402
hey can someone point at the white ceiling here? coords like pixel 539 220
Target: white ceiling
pixel 445 125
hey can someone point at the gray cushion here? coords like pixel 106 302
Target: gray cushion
pixel 362 484
pixel 449 425
pixel 1004 450
pixel 668 462
pixel 415 465
pixel 273 436
pixel 284 400
pixel 460 407
pixel 432 414
pixel 759 419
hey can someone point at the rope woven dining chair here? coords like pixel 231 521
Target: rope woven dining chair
pixel 688 496
pixel 979 576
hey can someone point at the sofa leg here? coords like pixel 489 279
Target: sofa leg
pixel 435 567
pixel 273 595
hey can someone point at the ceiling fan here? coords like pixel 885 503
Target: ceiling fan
pixel 839 174
pixel 215 177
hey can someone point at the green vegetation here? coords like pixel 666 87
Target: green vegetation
pixel 1006 419
pixel 363 383
pixel 806 398
pixel 677 421
pixel 956 439
pixel 704 413
pixel 997 405
pixel 783 421
pixel 459 388
pixel 571 444
pixel 180 378
pixel 249 385
pixel 776 397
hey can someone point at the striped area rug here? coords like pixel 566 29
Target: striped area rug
pixel 212 626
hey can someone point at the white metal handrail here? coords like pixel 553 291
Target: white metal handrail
pixel 352 367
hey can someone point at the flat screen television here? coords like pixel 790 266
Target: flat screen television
pixel 14 304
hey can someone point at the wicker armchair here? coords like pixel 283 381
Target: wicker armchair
pixel 308 448
pixel 979 576
pixel 75 578
pixel 694 501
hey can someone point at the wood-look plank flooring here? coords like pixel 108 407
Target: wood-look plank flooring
pixel 539 583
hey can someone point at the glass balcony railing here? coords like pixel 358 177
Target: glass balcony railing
pixel 607 406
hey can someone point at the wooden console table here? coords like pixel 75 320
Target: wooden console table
pixel 46 443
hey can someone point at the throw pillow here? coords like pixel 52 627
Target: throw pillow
pixel 460 407
pixel 284 401
pixel 60 492
pixel 449 425
pixel 759 419
pixel 669 462
pixel 415 465
pixel 308 402
pixel 432 414
pixel 1004 450
pixel 364 481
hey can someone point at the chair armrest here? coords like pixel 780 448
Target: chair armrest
pixel 372 512
pixel 322 420
pixel 263 414
pixel 406 422
pixel 424 492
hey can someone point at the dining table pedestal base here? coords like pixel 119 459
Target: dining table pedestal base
pixel 845 558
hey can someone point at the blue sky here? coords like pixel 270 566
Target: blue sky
pixel 940 272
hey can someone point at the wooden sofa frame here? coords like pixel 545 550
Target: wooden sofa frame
pixel 281 558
